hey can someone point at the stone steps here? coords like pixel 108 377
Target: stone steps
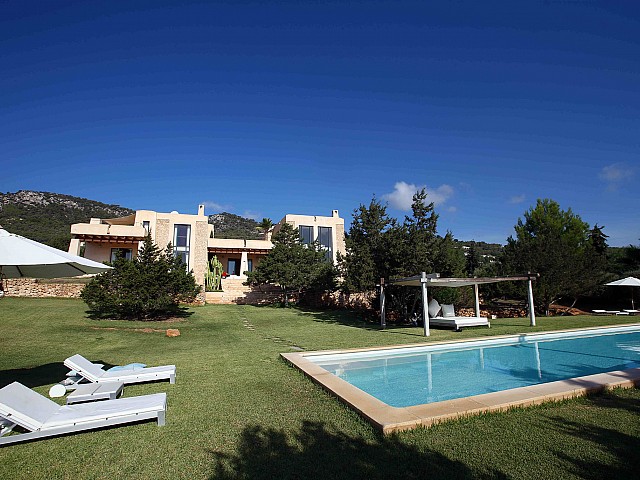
pixel 234 292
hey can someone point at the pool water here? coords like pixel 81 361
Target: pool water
pixel 426 374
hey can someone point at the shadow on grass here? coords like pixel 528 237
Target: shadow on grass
pixel 38 376
pixel 343 317
pixel 175 313
pixel 620 450
pixel 315 452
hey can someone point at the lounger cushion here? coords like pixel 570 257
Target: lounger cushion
pixel 25 407
pixel 147 372
pixel 434 308
pixel 448 311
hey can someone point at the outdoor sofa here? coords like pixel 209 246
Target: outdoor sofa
pixel 448 317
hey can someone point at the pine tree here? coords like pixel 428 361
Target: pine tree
pixel 292 266
pixel 151 286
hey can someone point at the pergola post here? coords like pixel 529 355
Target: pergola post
pixel 383 313
pixel 532 313
pixel 425 304
pixel 475 289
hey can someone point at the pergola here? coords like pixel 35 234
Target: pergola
pixel 424 281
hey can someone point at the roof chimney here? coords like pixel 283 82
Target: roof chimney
pixel 201 209
pixel 334 213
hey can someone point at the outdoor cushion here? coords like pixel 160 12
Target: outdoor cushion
pixel 434 307
pixel 448 311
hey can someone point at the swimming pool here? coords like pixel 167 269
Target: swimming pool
pixel 468 376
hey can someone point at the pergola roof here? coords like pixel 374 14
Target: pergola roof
pixel 417 280
pixel 425 281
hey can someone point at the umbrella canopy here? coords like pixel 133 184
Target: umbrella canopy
pixel 21 257
pixel 627 282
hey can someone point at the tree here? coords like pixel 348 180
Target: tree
pixel 367 257
pixel 264 226
pixel 560 246
pixel 292 266
pixel 149 287
pixel 473 260
pixel 420 237
pixel 379 247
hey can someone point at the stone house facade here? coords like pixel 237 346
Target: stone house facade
pixel 193 238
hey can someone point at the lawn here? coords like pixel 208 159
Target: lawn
pixel 239 411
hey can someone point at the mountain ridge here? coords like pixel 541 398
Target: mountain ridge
pixel 47 217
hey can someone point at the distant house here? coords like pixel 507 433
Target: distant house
pixel 193 238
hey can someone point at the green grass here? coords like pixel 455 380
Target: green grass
pixel 238 411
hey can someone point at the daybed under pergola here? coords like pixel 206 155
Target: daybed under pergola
pixel 424 281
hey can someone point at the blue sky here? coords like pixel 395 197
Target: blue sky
pixel 263 109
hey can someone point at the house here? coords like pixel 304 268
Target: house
pixel 103 239
pixel 193 238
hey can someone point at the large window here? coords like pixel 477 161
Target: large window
pixel 181 242
pixel 306 234
pixel 125 253
pixel 325 241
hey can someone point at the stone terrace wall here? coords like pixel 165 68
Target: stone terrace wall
pixel 39 288
pixel 356 301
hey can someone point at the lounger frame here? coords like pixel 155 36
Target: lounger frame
pixel 94 373
pixel 22 407
pixel 80 427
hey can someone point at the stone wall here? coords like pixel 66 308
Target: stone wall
pixel 199 252
pixel 356 301
pixel 163 234
pixel 39 288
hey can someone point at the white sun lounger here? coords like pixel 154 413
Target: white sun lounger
pixel 21 406
pixel 96 374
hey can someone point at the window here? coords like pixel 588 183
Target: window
pixel 147 226
pixel 306 234
pixel 250 265
pixel 325 241
pixel 125 253
pixel 181 242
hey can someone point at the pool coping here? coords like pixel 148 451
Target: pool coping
pixel 390 419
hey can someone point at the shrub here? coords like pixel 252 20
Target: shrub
pixel 151 286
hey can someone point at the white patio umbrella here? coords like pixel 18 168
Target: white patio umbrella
pixel 21 257
pixel 627 282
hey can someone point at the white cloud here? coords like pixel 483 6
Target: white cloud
pixel 517 199
pixel 252 215
pixel 615 174
pixel 403 192
pixel 452 209
pixel 216 207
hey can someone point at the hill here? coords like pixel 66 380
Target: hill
pixel 47 217
pixel 228 225
pixel 483 248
